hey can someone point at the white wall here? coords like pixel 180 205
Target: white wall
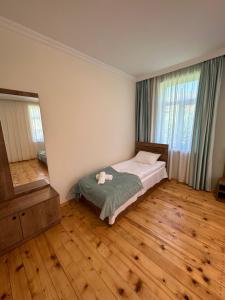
pixel 88 112
pixel 219 145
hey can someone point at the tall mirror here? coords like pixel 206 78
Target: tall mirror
pixel 21 122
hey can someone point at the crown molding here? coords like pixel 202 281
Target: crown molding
pixel 185 64
pixel 27 32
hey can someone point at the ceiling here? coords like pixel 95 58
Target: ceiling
pixel 136 36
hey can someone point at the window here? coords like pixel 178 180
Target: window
pixel 35 123
pixel 175 109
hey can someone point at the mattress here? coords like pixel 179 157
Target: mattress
pixel 138 169
pixel 150 175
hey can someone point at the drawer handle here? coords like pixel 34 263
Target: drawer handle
pixel 23 214
pixel 14 218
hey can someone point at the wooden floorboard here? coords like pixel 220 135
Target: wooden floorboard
pixel 28 171
pixel 170 246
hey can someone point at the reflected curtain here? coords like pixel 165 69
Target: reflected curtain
pixel 15 120
pixel 204 124
pixel 35 123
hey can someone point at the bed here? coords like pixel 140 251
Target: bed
pixel 131 179
pixel 41 156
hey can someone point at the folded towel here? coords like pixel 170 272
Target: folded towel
pixel 107 177
pixel 101 179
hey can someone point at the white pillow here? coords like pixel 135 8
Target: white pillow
pixel 146 157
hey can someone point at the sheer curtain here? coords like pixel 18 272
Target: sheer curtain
pixel 175 103
pixel 36 123
pixel 18 122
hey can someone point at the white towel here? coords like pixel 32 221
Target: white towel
pixel 107 176
pixel 101 179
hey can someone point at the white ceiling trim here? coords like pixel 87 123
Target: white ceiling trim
pixel 16 27
pixel 185 64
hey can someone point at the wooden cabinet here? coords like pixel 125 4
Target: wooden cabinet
pixel 26 210
pixel 10 231
pixel 41 216
pixel 26 216
pixel 221 189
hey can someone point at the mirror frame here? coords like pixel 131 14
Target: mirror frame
pixel 18 93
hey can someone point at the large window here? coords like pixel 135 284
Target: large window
pixel 35 123
pixel 175 109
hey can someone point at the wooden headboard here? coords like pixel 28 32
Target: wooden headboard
pixel 154 148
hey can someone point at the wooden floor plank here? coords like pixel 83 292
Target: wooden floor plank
pixel 174 288
pixel 141 284
pixel 5 286
pixel 28 171
pixel 205 219
pixel 173 235
pixel 192 265
pixel 170 246
pixel 118 286
pixel 56 272
pixel 174 265
pixel 18 278
pixel 40 284
pixel 186 225
pixel 85 279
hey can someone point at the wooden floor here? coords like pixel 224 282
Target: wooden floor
pixel 28 171
pixel 170 246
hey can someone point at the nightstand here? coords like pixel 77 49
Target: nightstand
pixel 221 189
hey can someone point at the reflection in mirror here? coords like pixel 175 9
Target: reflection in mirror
pixel 21 122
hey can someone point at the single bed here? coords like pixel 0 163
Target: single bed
pixel 147 174
pixel 150 175
pixel 41 156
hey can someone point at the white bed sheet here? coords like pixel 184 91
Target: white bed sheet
pixel 138 169
pixel 150 175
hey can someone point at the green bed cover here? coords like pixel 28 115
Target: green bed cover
pixel 110 195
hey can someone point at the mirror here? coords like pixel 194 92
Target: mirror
pixel 21 122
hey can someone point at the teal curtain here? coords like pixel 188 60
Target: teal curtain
pixel 200 171
pixel 143 111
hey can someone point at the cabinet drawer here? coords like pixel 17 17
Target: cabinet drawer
pixel 10 231
pixel 39 217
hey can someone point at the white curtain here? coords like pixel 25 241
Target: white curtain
pixel 36 123
pixel 174 110
pixel 16 125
